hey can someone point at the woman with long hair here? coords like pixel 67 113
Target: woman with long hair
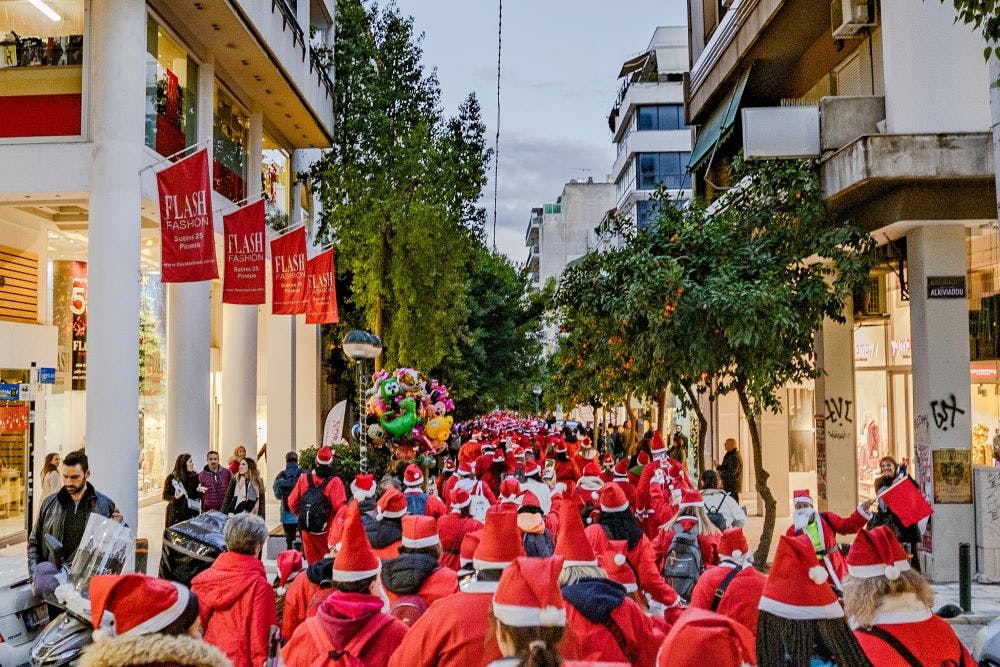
pixel 182 491
pixel 529 613
pixel 239 453
pixel 51 480
pixel 909 536
pixel 246 490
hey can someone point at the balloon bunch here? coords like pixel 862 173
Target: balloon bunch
pixel 405 408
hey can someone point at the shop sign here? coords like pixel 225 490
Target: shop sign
pixel 288 273
pixel 946 287
pixel 982 370
pixel 245 261
pixel 901 346
pixel 46 375
pixel 78 309
pixel 864 351
pixel 187 249
pixel 14 419
pixel 10 392
pixel 321 289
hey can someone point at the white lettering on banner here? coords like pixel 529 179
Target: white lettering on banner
pixel 864 351
pixel 901 345
pixel 294 264
pixel 193 206
pixel 321 281
pixel 249 244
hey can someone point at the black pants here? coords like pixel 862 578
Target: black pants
pixel 290 530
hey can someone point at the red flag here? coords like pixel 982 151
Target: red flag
pixel 321 289
pixel 243 277
pixel 288 273
pixel 906 501
pixel 187 250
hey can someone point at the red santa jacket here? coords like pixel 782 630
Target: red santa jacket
pixel 440 483
pixel 315 545
pixel 628 488
pixel 454 631
pixel 469 451
pixel 604 624
pixel 740 600
pixel 449 484
pixel 304 596
pixel 567 472
pixel 709 545
pixel 928 637
pixel 452 529
pixel 643 562
pixel 834 525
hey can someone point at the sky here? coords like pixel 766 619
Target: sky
pixel 560 61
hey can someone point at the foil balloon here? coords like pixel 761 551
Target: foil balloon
pixel 439 428
pixel 404 423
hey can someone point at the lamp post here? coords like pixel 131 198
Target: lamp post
pixel 359 346
pixel 537 391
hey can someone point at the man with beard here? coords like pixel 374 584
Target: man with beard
pixel 64 514
pixel 822 529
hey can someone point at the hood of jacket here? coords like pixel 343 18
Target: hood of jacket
pixel 406 574
pixel 344 615
pixel 382 533
pixel 155 649
pixel 227 580
pixel 595 598
pixel 320 571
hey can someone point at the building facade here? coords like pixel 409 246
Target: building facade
pixel 94 97
pixel 892 101
pixel 649 129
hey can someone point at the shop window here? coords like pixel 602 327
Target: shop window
pixel 276 167
pixel 41 68
pixel 153 468
pixel 171 93
pixel 13 457
pixel 232 143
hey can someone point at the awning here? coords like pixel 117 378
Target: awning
pixel 719 125
pixel 635 64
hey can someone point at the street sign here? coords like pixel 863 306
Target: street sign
pixel 47 375
pixel 946 287
pixel 10 392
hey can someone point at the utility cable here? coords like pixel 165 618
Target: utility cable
pixel 496 141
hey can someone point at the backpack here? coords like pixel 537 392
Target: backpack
pixel 285 484
pixel 349 656
pixel 416 503
pixel 683 564
pixel 408 608
pixel 716 516
pixel 315 508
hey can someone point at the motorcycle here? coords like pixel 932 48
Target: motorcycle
pixel 986 649
pixel 22 614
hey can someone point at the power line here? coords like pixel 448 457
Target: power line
pixel 496 141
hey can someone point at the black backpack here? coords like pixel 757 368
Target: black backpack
pixel 716 516
pixel 315 508
pixel 683 564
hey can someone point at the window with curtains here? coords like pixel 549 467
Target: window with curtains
pixel 171 92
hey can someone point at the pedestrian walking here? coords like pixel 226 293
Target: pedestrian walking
pixel 733 587
pixel 453 528
pixel 156 623
pixel 720 505
pixel 315 499
pixel 415 579
pixel 731 469
pixel 183 491
pixel 246 491
pixel 385 533
pixel 822 529
pixel 284 482
pixel 417 501
pixel 349 623
pixel 50 480
pixel 215 478
pixel 237 601
pixel 64 514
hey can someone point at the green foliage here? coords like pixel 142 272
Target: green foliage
pixel 983 15
pixel 346 460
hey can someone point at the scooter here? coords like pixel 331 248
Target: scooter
pixel 22 614
pixel 986 649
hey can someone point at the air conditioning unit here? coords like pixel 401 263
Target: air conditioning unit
pixel 850 17
pixel 870 300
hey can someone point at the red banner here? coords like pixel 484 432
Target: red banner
pixel 187 251
pixel 906 501
pixel 321 289
pixel 288 273
pixel 14 419
pixel 245 265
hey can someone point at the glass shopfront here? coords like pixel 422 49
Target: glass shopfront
pixel 41 68
pixel 232 141
pixel 171 93
pixel 275 177
pixel 13 456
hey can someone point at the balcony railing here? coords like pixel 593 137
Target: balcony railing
pixel 316 65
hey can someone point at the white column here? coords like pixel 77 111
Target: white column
pixel 836 441
pixel 238 413
pixel 117 94
pixel 940 335
pixel 307 429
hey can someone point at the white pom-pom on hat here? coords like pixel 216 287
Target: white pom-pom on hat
pixel 280 590
pixel 891 572
pixel 818 574
pixel 619 559
pixel 736 553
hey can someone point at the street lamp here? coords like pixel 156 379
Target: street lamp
pixel 359 346
pixel 537 391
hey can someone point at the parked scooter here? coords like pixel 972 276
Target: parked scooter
pixel 22 614
pixel 986 649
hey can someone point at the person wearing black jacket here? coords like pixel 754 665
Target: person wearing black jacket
pixel 182 490
pixel 731 470
pixel 909 537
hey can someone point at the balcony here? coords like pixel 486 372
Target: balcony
pixel 652 141
pixel 643 93
pixel 533 259
pixel 534 230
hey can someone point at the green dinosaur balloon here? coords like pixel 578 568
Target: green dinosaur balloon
pixel 404 423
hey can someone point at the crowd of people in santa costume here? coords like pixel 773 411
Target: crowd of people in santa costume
pixel 531 548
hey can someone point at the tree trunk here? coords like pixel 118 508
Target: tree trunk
pixel 770 506
pixel 661 413
pixel 630 411
pixel 699 444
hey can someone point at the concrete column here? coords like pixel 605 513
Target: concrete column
pixel 307 428
pixel 117 99
pixel 774 441
pixel 940 335
pixel 238 414
pixel 836 441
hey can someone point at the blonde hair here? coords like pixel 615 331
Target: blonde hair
pixel 862 597
pixel 574 573
pixel 705 525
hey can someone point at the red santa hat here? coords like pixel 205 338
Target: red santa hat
pixel 571 542
pixel 413 475
pixel 324 456
pixel 466 469
pixel 802 496
pixel 621 470
pixel 500 543
pixel 691 498
pixel 487 448
pixel 587 451
pixel 498 456
pixel 470 542
pixel 642 459
pixel 528 499
pixel 510 492
pixel 733 544
pixel 528 595
pixel 608 459
pixel 532 469
pixel 797 587
pixel 391 505
pixel 419 531
pixel 355 561
pixel 459 498
pixel 141 605
pixel 591 470
pixel 561 447
pixel 656 446
pixel 877 553
pixel 613 498
pixel 363 487
pixel 288 562
pixel 519 452
pixel 702 637
pixel 449 465
pixel 614 562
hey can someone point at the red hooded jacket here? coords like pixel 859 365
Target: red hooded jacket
pixel 316 545
pixel 237 607
pixel 452 529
